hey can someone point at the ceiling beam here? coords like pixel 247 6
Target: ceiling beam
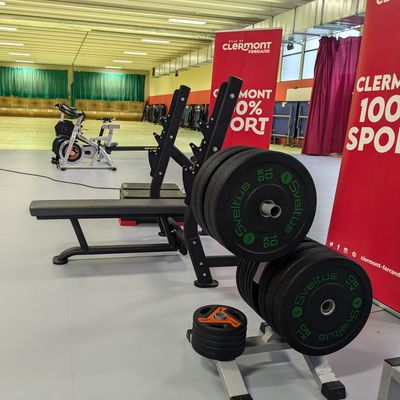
pixel 73 25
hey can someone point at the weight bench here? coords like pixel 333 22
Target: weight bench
pixel 74 210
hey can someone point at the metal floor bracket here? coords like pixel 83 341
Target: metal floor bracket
pixel 390 376
pixel 269 341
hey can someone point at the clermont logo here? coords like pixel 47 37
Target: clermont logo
pixel 247 47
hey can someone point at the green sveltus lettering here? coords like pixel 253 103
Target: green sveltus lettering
pixel 294 188
pixel 240 229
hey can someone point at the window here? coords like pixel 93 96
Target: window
pixel 291 61
pixel 297 48
pixel 312 44
pixel 291 67
pixel 310 57
pixel 299 61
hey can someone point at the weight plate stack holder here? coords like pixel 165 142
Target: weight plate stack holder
pixel 267 342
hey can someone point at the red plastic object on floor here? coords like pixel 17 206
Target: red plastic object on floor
pixel 125 222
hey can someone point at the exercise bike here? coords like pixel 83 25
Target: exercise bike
pixel 71 146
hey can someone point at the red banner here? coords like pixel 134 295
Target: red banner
pixel 253 56
pixel 366 213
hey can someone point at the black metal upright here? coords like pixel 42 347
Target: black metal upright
pixel 160 159
pixel 214 133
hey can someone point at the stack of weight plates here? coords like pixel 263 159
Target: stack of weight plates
pixel 258 204
pixel 317 300
pixel 219 332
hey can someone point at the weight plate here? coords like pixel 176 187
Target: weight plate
pixel 240 277
pixel 294 264
pixel 203 178
pixel 252 287
pixel 323 305
pixel 217 353
pixel 273 275
pixel 261 205
pixel 258 268
pixel 209 196
pixel 248 289
pixel 233 321
pixel 245 282
pixel 219 332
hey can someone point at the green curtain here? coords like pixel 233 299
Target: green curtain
pixel 109 86
pixel 33 83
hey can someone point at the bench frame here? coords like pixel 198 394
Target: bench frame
pixel 175 238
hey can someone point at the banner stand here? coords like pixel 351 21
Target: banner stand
pixel 253 56
pixel 366 213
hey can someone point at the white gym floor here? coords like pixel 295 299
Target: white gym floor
pixel 114 328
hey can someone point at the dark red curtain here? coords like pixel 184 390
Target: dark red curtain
pixel 335 73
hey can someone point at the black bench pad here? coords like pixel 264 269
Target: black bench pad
pixel 98 209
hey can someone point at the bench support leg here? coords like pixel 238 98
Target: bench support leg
pixel 79 234
pixel 84 249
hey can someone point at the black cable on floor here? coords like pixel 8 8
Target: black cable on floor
pixel 57 180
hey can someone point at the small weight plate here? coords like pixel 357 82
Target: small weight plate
pixel 219 332
pixel 250 182
pixel 203 178
pixel 203 319
pixel 216 352
pixel 323 305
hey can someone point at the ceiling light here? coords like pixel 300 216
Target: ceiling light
pixel 123 61
pixel 135 53
pixel 11 44
pixel 110 67
pixel 155 41
pixel 5 28
pixel 239 7
pixel 186 21
pixel 25 61
pixel 20 54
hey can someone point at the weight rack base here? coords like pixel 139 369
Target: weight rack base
pixel 232 378
pixel 212 284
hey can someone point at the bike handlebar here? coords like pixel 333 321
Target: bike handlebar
pixel 70 112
